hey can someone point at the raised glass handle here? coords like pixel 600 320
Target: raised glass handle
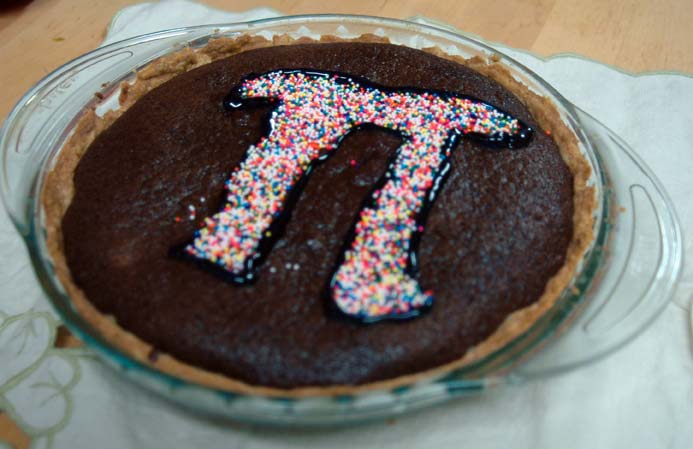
pixel 641 263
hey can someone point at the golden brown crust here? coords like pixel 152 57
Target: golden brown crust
pixel 59 189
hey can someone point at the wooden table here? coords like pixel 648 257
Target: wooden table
pixel 635 35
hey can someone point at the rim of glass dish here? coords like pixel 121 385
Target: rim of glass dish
pixel 545 326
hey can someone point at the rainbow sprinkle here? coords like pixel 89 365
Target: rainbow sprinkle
pixel 313 112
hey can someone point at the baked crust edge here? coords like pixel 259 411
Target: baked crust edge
pixel 58 192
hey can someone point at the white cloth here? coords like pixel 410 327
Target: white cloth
pixel 639 397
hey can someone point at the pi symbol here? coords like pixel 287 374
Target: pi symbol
pixel 313 111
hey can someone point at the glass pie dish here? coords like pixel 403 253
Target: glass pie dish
pixel 625 278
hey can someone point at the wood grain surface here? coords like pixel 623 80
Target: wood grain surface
pixel 635 35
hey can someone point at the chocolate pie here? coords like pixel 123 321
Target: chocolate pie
pixel 317 217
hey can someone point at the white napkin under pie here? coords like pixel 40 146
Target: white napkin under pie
pixel 639 397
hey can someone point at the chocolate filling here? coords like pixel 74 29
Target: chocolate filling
pixel 498 230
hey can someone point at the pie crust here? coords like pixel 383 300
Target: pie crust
pixel 58 192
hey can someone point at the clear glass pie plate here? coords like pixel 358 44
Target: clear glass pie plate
pixel 624 280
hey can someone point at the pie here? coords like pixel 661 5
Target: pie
pixel 250 217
